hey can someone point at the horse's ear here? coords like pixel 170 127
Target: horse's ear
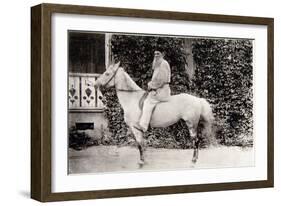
pixel 116 65
pixel 109 67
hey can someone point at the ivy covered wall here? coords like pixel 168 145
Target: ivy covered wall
pixel 222 72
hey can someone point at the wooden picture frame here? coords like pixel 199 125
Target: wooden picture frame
pixel 41 101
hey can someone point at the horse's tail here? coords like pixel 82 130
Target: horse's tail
pixel 208 120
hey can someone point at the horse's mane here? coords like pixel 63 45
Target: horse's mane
pixel 127 83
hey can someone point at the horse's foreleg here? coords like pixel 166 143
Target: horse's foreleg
pixel 140 143
pixel 141 150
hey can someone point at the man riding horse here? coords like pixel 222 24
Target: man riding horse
pixel 172 109
pixel 158 87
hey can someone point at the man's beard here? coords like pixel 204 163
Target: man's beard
pixel 156 62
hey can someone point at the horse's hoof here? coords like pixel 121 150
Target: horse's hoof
pixel 194 160
pixel 141 163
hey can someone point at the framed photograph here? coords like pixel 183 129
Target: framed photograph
pixel 130 102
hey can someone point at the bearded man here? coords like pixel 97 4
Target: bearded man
pixel 158 87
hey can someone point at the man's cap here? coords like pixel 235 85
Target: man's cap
pixel 159 46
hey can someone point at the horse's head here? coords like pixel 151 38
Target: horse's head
pixel 107 78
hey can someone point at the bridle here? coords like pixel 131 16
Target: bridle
pixel 124 90
pixel 111 77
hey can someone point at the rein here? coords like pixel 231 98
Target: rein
pixel 125 90
pixel 121 90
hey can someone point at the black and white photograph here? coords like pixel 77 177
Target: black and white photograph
pixel 146 102
pixel 134 102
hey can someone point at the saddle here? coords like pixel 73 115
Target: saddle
pixel 142 99
pixel 144 96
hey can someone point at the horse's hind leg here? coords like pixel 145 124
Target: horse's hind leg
pixel 195 142
pixel 140 143
pixel 196 150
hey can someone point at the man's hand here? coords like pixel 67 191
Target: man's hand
pixel 149 86
pixel 153 92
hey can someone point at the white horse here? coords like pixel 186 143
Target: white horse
pixel 182 106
